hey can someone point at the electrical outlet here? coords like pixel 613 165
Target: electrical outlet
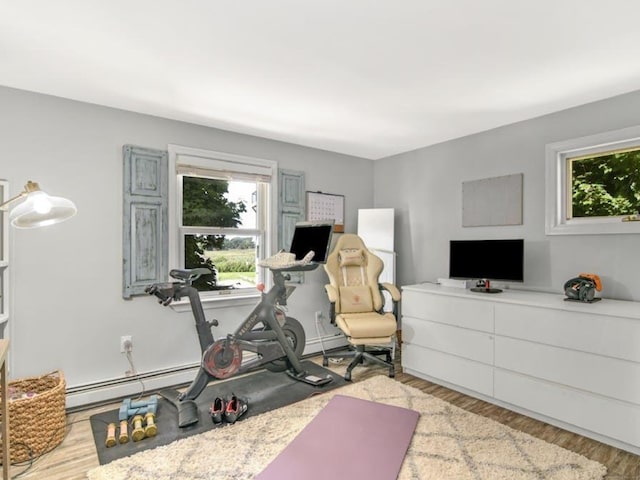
pixel 126 344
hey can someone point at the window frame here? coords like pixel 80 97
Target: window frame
pixel 220 161
pixel 557 186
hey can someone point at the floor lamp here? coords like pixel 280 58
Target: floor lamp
pixel 37 209
pixel 34 209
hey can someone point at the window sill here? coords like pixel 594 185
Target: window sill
pixel 593 228
pixel 218 301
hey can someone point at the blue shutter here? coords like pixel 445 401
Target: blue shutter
pixel 145 221
pixel 291 209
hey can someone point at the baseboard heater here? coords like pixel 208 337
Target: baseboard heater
pixel 88 395
pixel 315 345
pixel 91 394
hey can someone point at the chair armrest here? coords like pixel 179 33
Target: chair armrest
pixel 332 293
pixel 392 289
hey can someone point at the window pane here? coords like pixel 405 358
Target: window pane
pixel 232 259
pixel 604 185
pixel 212 202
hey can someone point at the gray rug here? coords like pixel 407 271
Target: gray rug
pixel 449 443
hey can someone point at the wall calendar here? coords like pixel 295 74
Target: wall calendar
pixel 326 206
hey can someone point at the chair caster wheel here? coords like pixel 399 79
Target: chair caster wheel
pixel 325 362
pixel 392 373
pixel 347 377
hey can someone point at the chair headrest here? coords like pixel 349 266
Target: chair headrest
pixel 351 257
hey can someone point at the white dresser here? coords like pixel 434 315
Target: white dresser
pixel 570 364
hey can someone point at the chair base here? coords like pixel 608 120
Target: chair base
pixel 359 354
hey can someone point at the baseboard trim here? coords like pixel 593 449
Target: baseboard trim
pixel 96 393
pixel 327 342
pixel 110 390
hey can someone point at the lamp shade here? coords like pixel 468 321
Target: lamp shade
pixel 39 210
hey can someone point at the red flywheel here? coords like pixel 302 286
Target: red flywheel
pixel 222 359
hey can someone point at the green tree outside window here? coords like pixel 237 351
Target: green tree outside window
pixel 605 185
pixel 204 204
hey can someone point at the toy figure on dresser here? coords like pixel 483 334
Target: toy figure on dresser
pixel 583 288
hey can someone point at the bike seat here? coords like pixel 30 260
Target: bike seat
pixel 189 274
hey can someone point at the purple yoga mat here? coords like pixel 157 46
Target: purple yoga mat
pixel 349 438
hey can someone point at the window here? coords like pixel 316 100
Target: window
pixel 593 184
pixel 604 184
pixel 220 211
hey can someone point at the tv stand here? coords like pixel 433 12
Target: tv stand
pixel 485 290
pixel 575 365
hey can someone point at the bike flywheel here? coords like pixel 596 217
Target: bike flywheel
pixel 222 359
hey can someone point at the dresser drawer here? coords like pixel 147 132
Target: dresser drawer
pixel 462 342
pixel 605 376
pixel 617 420
pixel 605 335
pixel 449 368
pixel 462 312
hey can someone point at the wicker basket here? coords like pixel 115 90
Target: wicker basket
pixel 37 423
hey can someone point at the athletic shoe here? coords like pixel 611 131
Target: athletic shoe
pixel 236 407
pixel 217 410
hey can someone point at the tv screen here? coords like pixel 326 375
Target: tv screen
pixel 487 259
pixel 312 236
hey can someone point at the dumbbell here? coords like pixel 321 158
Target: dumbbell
pixel 138 431
pixel 150 428
pixel 130 408
pixel 123 437
pixel 137 409
pixel 111 435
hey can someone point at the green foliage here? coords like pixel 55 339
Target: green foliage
pixel 194 258
pixel 607 185
pixel 204 204
pixel 239 260
pixel 241 243
pixel 238 266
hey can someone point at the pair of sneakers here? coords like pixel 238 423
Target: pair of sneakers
pixel 228 410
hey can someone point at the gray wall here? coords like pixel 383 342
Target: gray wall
pixel 424 186
pixel 67 310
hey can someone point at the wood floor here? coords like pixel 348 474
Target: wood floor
pixel 76 455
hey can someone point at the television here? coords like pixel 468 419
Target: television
pixel 314 236
pixel 487 260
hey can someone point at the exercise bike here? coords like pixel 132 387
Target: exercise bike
pixel 276 339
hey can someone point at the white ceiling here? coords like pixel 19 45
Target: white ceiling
pixel 370 78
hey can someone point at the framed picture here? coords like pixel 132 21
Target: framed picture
pixel 326 206
pixel 492 201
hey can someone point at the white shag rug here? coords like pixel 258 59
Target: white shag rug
pixel 449 443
